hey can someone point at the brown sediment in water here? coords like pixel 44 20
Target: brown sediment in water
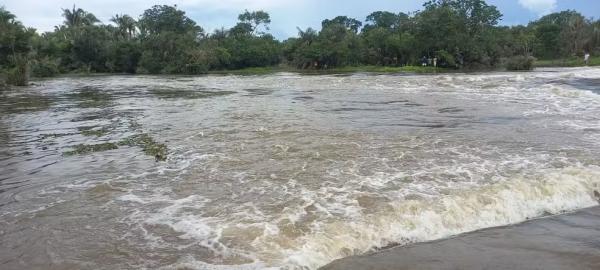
pixel 276 181
pixel 570 241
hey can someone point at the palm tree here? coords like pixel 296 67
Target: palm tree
pixel 220 34
pixel 5 16
pixel 126 25
pixel 78 17
pixel 308 36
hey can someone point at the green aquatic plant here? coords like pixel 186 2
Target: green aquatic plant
pixel 188 94
pixel 91 131
pixel 91 148
pixel 90 97
pixel 24 103
pixel 148 145
pixel 55 135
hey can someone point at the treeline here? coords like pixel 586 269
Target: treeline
pixel 163 40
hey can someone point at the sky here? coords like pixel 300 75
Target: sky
pixel 286 15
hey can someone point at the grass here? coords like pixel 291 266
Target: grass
pixel 385 69
pixel 254 70
pixel 568 62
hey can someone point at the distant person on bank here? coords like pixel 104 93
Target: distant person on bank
pixel 586 58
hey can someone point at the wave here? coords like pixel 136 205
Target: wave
pixel 549 191
pixel 402 221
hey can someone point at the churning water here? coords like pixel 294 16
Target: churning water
pixel 284 171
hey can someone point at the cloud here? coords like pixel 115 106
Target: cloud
pixel 237 4
pixel 541 7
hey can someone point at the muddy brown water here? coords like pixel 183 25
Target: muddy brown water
pixel 284 171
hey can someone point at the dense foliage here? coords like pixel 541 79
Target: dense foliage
pixel 457 33
pixel 15 47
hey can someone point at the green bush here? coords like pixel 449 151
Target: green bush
pixel 45 67
pixel 19 74
pixel 2 80
pixel 124 56
pixel 520 63
pixel 445 59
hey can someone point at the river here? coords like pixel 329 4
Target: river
pixel 284 171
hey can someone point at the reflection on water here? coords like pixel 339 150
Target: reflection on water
pixel 284 171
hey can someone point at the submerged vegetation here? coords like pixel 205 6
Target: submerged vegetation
pixel 93 131
pixel 188 94
pixel 452 34
pixel 91 148
pixel 89 97
pixel 11 103
pixel 150 147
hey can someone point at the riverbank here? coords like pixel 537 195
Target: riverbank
pixel 569 62
pixel 595 61
pixel 346 69
pixel 569 241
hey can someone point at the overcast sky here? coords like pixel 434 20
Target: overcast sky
pixel 286 15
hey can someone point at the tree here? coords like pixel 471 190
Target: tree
pixel 461 27
pixel 300 51
pixel 15 47
pixel 523 40
pixel 477 14
pixel 78 17
pixel 124 56
pixel 126 25
pixel 253 20
pixel 163 18
pixel 349 23
pixel 245 45
pixel 164 40
pixel 382 19
pixel 562 34
pixel 167 34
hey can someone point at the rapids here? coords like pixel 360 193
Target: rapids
pixel 284 171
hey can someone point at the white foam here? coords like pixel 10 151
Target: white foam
pixel 549 191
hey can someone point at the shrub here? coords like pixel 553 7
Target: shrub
pixel 124 57
pixel 19 74
pixel 445 59
pixel 45 67
pixel 520 62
